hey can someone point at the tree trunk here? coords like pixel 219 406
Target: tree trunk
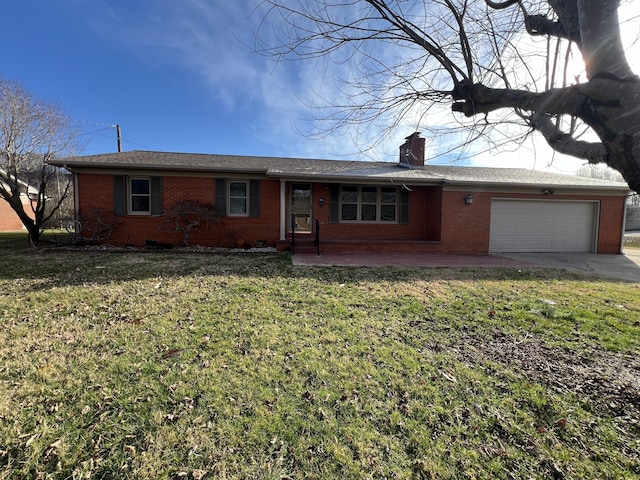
pixel 34 234
pixel 601 45
pixel 613 113
pixel 32 227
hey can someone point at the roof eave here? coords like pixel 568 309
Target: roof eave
pixel 333 178
pixel 157 167
pixel 471 183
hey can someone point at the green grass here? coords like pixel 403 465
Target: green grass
pixel 170 365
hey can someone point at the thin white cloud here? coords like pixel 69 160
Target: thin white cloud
pixel 209 38
pixel 211 41
pixel 200 36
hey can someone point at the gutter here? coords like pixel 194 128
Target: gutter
pixel 540 186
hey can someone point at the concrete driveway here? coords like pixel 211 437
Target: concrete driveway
pixel 618 267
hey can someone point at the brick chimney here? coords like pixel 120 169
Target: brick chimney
pixel 412 151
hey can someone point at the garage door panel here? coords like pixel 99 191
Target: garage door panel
pixel 542 226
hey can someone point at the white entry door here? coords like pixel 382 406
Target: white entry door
pixel 543 226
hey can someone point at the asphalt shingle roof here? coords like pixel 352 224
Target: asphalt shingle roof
pixel 336 170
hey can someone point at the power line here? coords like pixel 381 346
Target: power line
pixel 93 132
pixel 107 126
pixel 88 122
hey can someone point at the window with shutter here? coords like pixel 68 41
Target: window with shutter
pixel 241 198
pixel 137 195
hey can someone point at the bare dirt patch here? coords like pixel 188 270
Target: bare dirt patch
pixel 608 381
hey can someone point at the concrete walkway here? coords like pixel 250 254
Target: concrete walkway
pixel 407 260
pixel 618 267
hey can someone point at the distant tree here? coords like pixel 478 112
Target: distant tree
pixel 64 217
pixel 403 58
pixel 185 216
pixel 601 172
pixel 32 132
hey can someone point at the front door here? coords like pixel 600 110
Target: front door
pixel 300 196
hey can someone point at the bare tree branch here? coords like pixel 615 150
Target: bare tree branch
pixel 404 59
pixel 593 152
pixel 473 99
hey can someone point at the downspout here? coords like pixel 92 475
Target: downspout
pixel 76 203
pixel 624 223
pixel 283 212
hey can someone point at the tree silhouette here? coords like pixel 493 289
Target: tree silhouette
pixel 32 132
pixel 492 63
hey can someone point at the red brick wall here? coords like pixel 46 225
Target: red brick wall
pixel 421 234
pixel 250 230
pixel 96 191
pixel 466 228
pixel 9 221
pixel 611 224
pixel 433 214
pixel 419 211
pixel 438 217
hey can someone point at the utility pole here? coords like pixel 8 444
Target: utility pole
pixel 119 138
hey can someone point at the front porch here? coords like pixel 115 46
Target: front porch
pixel 307 244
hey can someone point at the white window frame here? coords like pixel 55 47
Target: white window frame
pixel 378 204
pixel 231 197
pixel 130 196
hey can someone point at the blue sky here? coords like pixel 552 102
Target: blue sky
pixel 175 75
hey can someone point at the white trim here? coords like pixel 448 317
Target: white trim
pixel 129 193
pixel 247 195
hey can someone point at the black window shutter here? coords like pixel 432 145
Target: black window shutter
pixel 334 203
pixel 119 195
pixel 155 185
pixel 221 197
pixel 404 206
pixel 254 198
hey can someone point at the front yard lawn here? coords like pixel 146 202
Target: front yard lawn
pixel 200 365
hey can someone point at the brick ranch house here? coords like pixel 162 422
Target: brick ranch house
pixel 352 205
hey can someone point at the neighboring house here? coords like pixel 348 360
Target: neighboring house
pixel 357 205
pixel 9 220
pixel 632 220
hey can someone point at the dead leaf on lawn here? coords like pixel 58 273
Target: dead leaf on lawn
pixel 32 439
pixel 449 377
pixel 198 474
pixel 56 444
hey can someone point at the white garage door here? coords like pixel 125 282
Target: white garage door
pixel 542 226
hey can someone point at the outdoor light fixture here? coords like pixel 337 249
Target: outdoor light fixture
pixel 468 200
pixel 321 201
